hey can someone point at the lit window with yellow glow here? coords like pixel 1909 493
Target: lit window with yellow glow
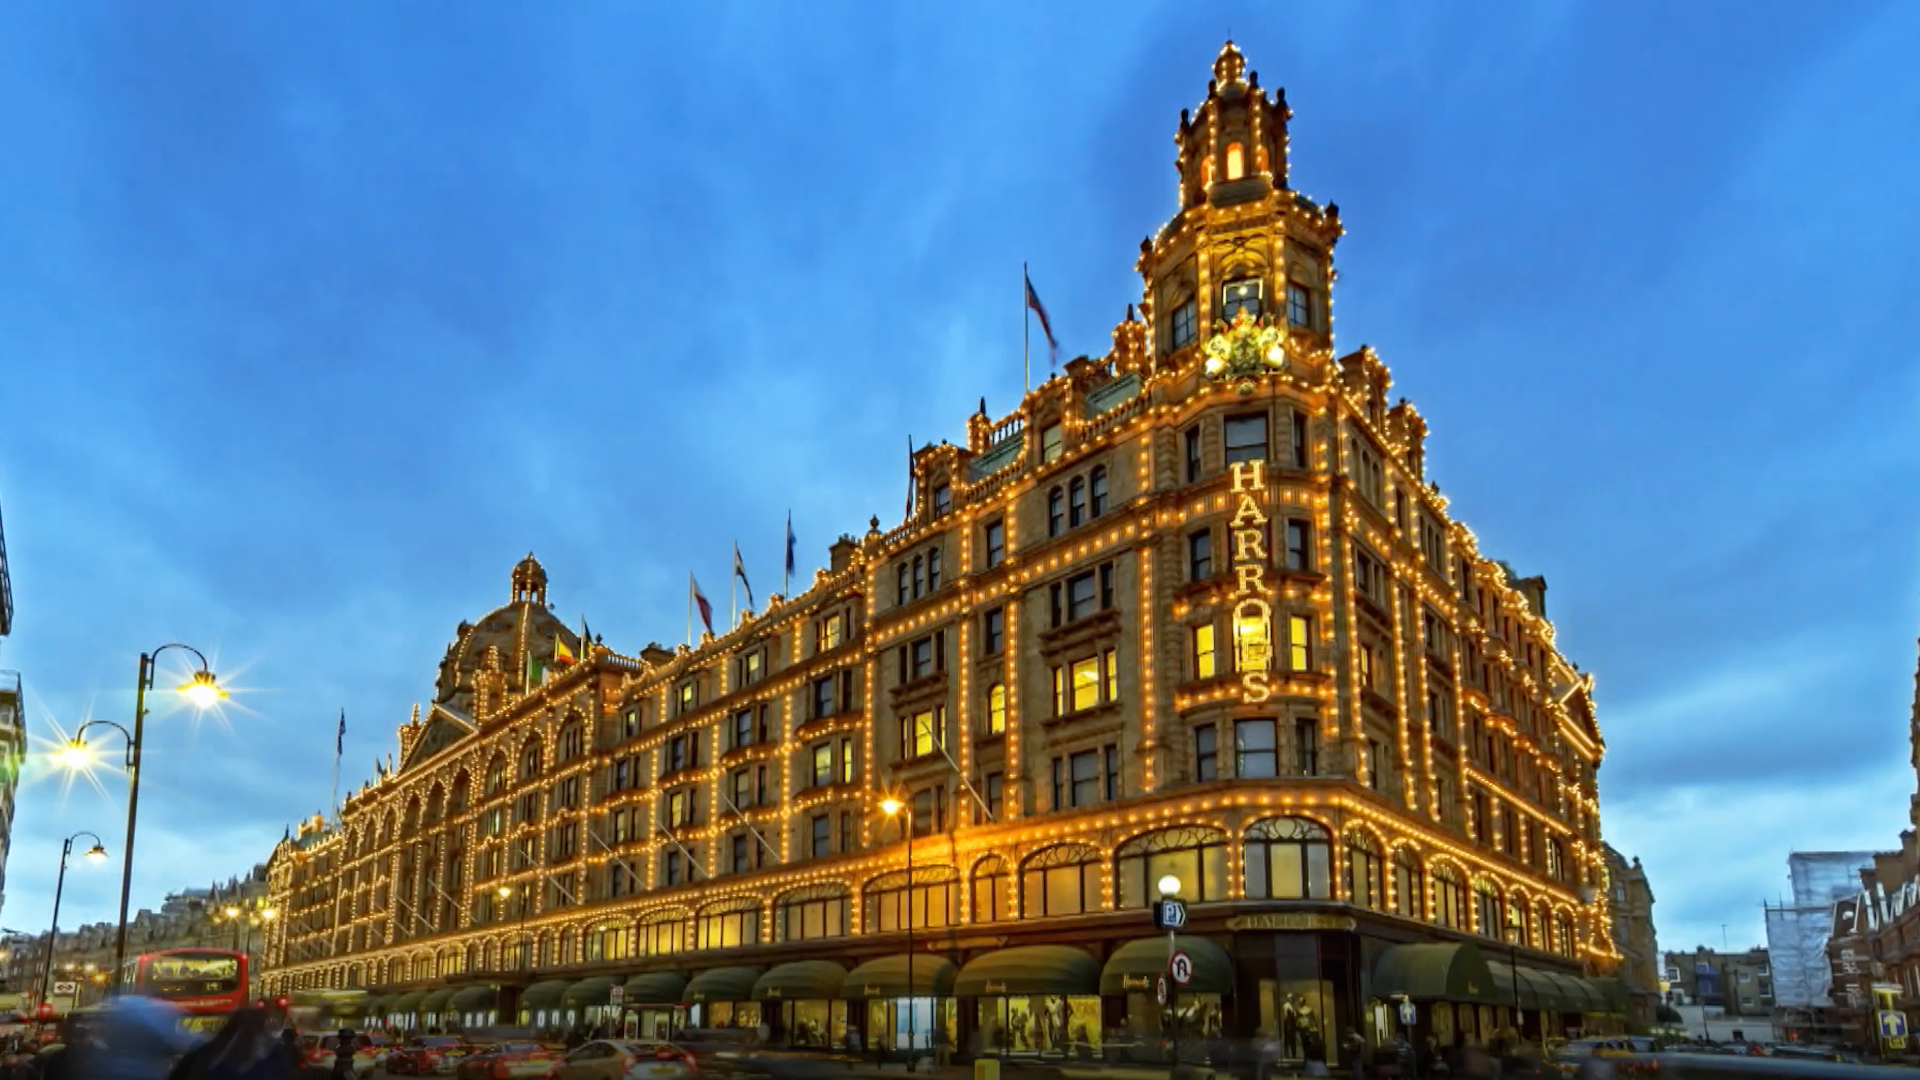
pixel 1112 661
pixel 921 733
pixel 996 709
pixel 1300 642
pixel 1085 675
pixel 1236 161
pixel 830 633
pixel 1205 664
pixel 1252 643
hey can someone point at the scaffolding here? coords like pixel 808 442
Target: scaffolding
pixel 1798 928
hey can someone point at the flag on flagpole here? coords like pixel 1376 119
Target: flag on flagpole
pixel 740 571
pixel 340 737
pixel 1046 324
pixel 586 637
pixel 562 656
pixel 787 585
pixel 910 478
pixel 700 601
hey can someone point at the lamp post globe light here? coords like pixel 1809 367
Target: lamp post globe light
pixel 95 854
pixel 203 691
pixel 1170 889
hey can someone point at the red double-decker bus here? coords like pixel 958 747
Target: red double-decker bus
pixel 208 985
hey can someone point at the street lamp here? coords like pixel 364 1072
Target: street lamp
pixel 96 853
pixel 505 893
pixel 892 807
pixel 202 691
pixel 1170 889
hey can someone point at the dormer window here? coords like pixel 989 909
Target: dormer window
pixel 1299 305
pixel 1237 296
pixel 1182 326
pixel 1052 443
pixel 1236 161
pixel 942 500
pixel 689 696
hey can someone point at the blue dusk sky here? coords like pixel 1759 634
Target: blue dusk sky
pixel 316 317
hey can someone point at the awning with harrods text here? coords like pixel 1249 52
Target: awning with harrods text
pixel 1133 967
pixel 544 995
pixel 800 980
pixel 656 988
pixel 474 998
pixel 724 984
pixel 406 1004
pixel 887 978
pixel 1029 969
pixel 588 992
pixel 436 1000
pixel 1451 971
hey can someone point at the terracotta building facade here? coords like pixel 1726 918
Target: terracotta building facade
pixel 1193 609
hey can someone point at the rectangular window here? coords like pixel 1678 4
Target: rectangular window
pixel 1246 437
pixel 1200 555
pixel 1376 766
pixel 997 709
pixel 994 790
pixel 1052 443
pixel 737 854
pixel 742 789
pixel 1255 749
pixel 1084 778
pixel 1084 674
pixel 1299 305
pixel 1181 326
pixel 1205 663
pixel 820 836
pixel 1082 596
pixel 942 500
pixel 670 868
pixel 1299 545
pixel 926 813
pixel 993 536
pixel 1300 643
pixel 1112 754
pixel 743 728
pixel 1306 746
pixel 1110 660
pixel 920 733
pixel 993 631
pixel 1192 437
pixel 822 755
pixel 1300 451
pixel 1206 753
pixel 923 657
pixel 752 666
pixel 847 761
pixel 823 696
pixel 1238 296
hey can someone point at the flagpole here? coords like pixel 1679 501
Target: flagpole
pixel 786 562
pixel 1026 332
pixel 733 592
pixel 689 609
pixel 340 734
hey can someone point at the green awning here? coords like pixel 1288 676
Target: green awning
pixel 406 1004
pixel 801 980
pixel 588 992
pixel 724 984
pixel 1613 995
pixel 1534 989
pixel 436 1001
pixel 656 988
pixel 1133 967
pixel 474 999
pixel 544 995
pixel 1454 971
pixel 1029 969
pixel 887 978
pixel 377 1006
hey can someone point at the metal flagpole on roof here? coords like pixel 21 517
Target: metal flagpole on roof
pixel 1026 332
pixel 764 842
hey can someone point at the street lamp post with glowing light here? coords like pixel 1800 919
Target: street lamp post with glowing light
pixel 1170 890
pixel 202 691
pixel 96 853
pixel 892 807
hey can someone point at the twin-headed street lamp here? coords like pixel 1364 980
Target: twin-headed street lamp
pixel 202 691
pixel 97 853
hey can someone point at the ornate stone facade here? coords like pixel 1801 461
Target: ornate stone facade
pixel 1194 607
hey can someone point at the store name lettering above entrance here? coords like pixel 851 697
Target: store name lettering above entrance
pixel 1291 922
pixel 1252 613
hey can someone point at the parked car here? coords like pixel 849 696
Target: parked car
pixel 427 1055
pixel 625 1059
pixel 317 1052
pixel 509 1060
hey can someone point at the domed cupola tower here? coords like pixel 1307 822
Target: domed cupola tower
pixel 1242 244
pixel 530 582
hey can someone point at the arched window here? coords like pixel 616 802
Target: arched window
pixel 889 904
pixel 1056 512
pixel 1061 880
pixel 1236 161
pixel 661 933
pixel 1076 502
pixel 1543 925
pixel 1287 859
pixel 1519 920
pixel 933 568
pixel 992 890
pixel 609 941
pixel 817 911
pixel 1365 872
pixel 386 829
pixel 1489 912
pixel 919 575
pixel 497 774
pixel 573 741
pixel 436 804
pixel 1197 856
pixel 410 822
pixel 1409 885
pixel 903 592
pixel 996 709
pixel 1449 898
pixel 1097 483
pixel 530 760
pixel 728 924
pixel 457 796
pixel 1563 933
pixel 567 951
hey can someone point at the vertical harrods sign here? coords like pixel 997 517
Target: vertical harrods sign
pixel 1252 611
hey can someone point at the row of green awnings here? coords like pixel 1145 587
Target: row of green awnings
pixel 1134 967
pixel 656 988
pixel 1029 969
pixel 1459 972
pixel 900 976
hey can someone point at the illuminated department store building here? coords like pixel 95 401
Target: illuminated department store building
pixel 1192 609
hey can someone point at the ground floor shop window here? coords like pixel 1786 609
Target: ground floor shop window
pixel 814 1023
pixel 724 1014
pixel 921 1023
pixel 1049 1025
pixel 1152 1026
pixel 652 1022
pixel 1294 1013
